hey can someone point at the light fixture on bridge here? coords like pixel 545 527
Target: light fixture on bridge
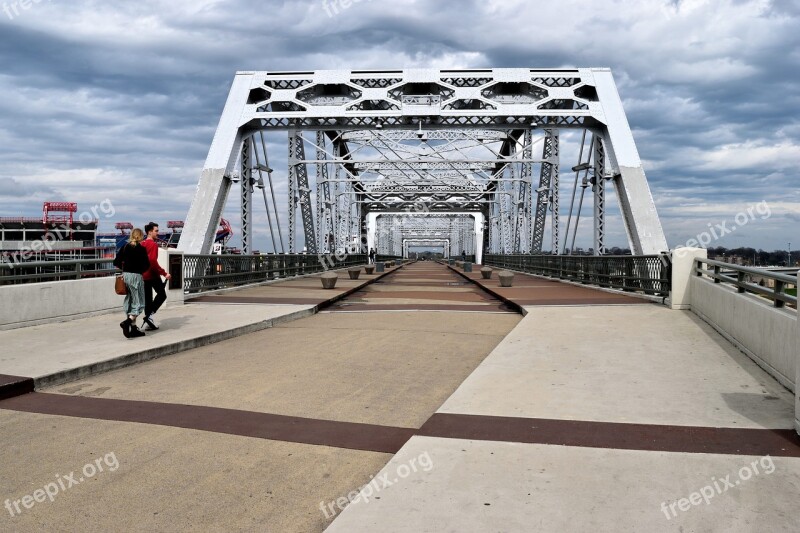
pixel 423 136
pixel 582 166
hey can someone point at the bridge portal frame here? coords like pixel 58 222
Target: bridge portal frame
pixel 347 102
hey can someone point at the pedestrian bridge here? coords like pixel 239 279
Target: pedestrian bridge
pixel 656 391
pixel 420 398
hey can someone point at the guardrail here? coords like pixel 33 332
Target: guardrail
pixel 211 272
pixel 15 273
pixel 738 277
pixel 648 274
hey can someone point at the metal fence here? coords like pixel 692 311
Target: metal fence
pixel 742 278
pixel 16 273
pixel 648 274
pixel 210 272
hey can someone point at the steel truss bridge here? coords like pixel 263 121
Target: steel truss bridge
pixel 469 158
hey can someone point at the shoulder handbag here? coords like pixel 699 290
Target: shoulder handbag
pixel 119 285
pixel 119 282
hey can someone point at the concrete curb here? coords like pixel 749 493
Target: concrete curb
pixel 330 301
pixel 11 386
pixel 521 310
pixel 73 374
pixel 24 385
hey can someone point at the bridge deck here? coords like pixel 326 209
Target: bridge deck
pixel 573 417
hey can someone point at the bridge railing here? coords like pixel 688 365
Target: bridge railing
pixel 211 272
pixel 742 278
pixel 15 273
pixel 648 274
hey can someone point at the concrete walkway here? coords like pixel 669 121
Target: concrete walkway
pixel 55 353
pixel 269 431
pixel 586 418
pixel 583 415
pixel 422 286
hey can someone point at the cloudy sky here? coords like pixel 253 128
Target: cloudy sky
pixel 119 100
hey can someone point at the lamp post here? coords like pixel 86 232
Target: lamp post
pixel 789 252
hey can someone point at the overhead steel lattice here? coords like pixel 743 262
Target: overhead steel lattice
pixel 479 146
pixel 395 231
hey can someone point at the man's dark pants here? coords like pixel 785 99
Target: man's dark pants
pixel 151 305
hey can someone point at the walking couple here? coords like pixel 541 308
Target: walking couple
pixel 138 260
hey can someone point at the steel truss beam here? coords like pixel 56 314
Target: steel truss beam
pixel 400 138
pixel 300 193
pixel 599 189
pixel 547 193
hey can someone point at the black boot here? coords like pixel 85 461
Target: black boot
pixel 126 327
pixel 136 332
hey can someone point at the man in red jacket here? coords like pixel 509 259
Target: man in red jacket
pixel 152 278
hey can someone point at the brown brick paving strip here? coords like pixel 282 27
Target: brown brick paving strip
pixel 294 291
pixel 436 286
pixel 370 437
pixel 530 290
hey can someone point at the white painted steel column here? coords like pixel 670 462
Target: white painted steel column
pixel 478 237
pixel 642 224
pixel 212 190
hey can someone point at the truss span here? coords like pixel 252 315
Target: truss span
pixel 478 148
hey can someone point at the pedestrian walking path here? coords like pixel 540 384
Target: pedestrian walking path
pixel 58 352
pixel 589 416
pixel 422 286
pixel 383 413
pixel 268 431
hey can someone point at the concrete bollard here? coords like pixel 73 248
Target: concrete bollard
pixel 329 280
pixel 379 266
pixel 467 266
pixel 354 272
pixel 506 278
pixel 369 269
pixel 486 273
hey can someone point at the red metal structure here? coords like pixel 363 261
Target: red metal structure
pixel 59 207
pixel 122 226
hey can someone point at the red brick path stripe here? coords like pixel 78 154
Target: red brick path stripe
pixel 354 436
pixel 388 439
pixel 685 439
